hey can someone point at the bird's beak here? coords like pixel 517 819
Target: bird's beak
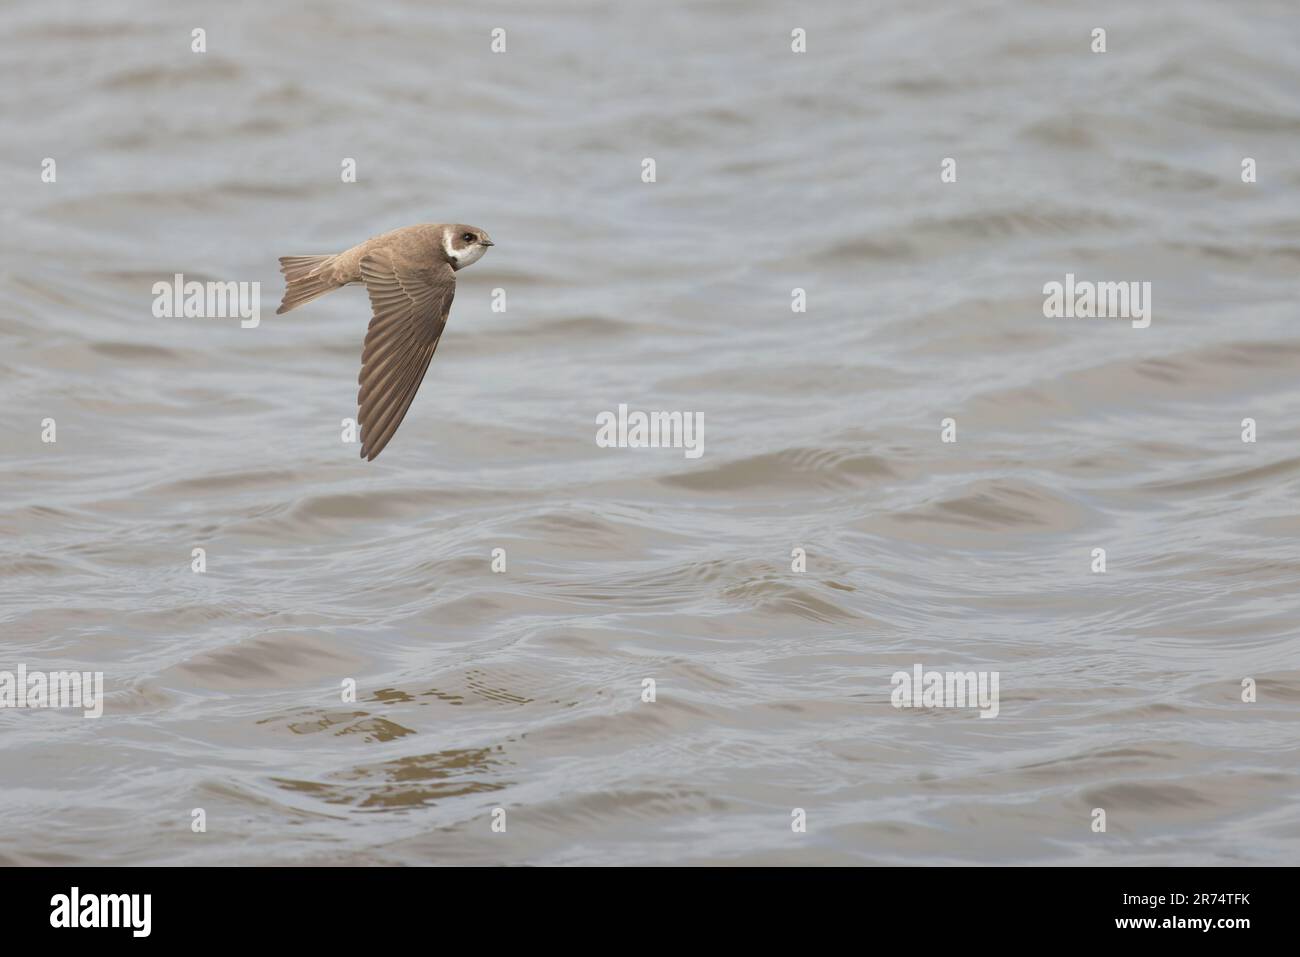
pixel 486 242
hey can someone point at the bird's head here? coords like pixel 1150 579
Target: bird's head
pixel 464 245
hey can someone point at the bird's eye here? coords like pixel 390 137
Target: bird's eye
pixel 468 237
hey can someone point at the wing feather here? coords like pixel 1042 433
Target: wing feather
pixel 409 306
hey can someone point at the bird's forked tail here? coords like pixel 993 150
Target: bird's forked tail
pixel 304 280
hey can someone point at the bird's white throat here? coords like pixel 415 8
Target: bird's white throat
pixel 463 257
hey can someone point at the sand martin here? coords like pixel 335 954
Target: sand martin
pixel 410 274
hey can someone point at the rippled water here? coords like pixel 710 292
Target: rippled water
pixel 522 690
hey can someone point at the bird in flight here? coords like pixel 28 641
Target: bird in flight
pixel 410 274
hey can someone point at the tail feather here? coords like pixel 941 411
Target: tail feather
pixel 304 280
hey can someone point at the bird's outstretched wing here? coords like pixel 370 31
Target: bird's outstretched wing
pixel 409 306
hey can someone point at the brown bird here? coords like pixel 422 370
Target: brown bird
pixel 410 274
